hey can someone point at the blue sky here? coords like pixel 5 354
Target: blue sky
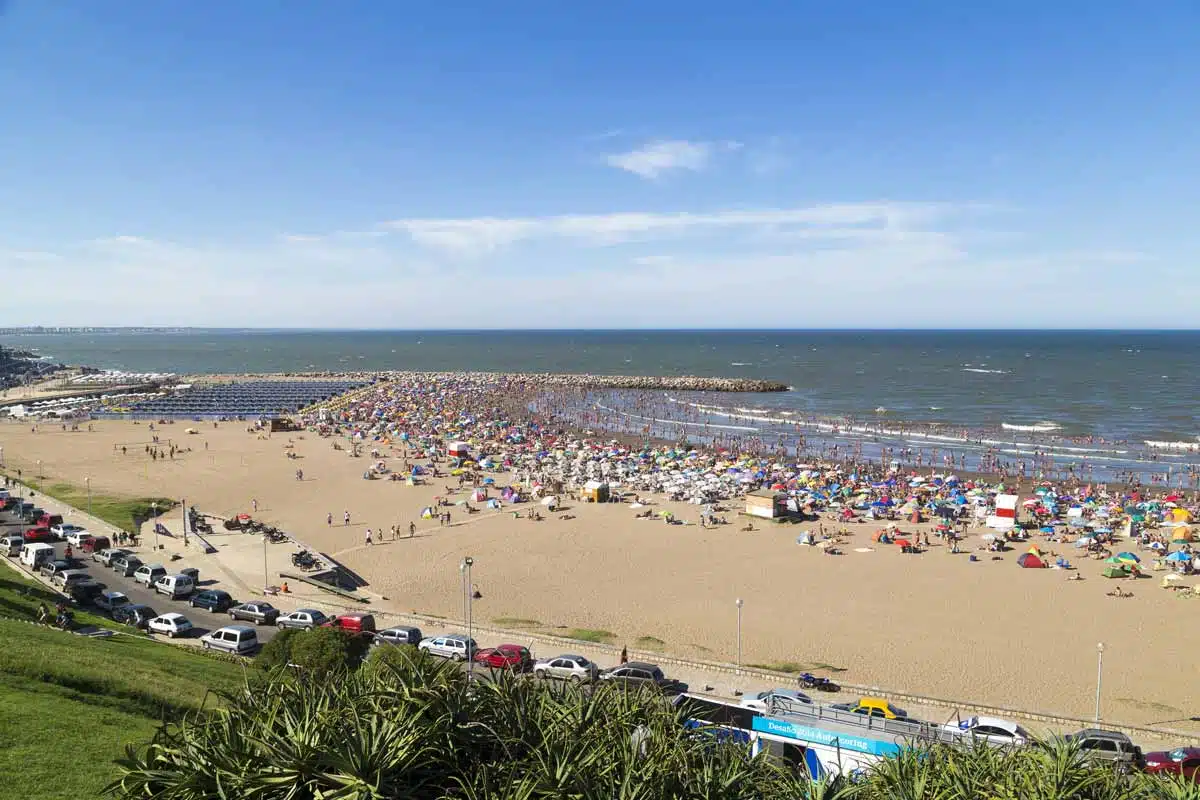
pixel 653 164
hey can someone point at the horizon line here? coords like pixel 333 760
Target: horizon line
pixel 36 329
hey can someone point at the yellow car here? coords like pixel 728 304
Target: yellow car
pixel 874 707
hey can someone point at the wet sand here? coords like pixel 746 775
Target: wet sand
pixel 931 624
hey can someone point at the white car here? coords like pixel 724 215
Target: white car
pixel 111 600
pixel 576 669
pixel 455 646
pixel 776 700
pixel 173 624
pixel 992 730
pixel 72 534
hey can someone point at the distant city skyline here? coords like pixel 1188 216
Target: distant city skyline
pixel 765 166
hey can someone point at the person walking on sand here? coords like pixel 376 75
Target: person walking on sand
pixel 254 504
pixel 412 529
pixel 329 519
pixel 346 518
pixel 368 536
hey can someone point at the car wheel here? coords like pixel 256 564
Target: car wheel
pixel 206 645
pixel 233 616
pixel 280 625
pixel 576 679
pixel 170 634
pixel 458 657
pixel 539 673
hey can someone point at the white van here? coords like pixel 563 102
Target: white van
pixel 11 545
pixel 239 639
pixel 35 553
pixel 175 586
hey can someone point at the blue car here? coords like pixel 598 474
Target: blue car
pixel 213 599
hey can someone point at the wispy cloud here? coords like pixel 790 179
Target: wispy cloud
pixel 485 234
pixel 655 158
pixel 135 241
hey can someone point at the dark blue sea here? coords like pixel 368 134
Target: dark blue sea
pixel 1083 389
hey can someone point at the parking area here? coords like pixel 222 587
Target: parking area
pixel 203 620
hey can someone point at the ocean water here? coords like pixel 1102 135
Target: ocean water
pixel 1031 386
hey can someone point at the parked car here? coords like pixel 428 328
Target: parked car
pixel 214 600
pixel 111 601
pixel 351 623
pixel 302 619
pixel 49 520
pixel 50 568
pixel 34 553
pixel 400 634
pixel 455 646
pixel 126 565
pixel 174 586
pixel 149 573
pixel 873 707
pixel 106 555
pixel 172 624
pixel 69 533
pixel 11 545
pixel 95 544
pixel 576 669
pixel 238 639
pixel 85 593
pixel 992 730
pixel 258 613
pixel 72 577
pixel 637 674
pixel 1111 747
pixel 1182 761
pixel 776 700
pixel 39 534
pixel 134 614
pixel 505 656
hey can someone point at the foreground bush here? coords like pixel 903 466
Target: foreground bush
pixel 406 726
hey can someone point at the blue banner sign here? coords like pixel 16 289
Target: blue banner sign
pixel 791 730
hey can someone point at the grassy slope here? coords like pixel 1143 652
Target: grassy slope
pixel 69 704
pixel 117 511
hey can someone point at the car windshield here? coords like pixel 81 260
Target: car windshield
pixel 1178 755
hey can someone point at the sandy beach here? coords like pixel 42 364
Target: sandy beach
pixel 932 624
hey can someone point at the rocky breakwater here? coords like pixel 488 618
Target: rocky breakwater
pixel 678 383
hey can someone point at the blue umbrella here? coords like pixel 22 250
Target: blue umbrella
pixel 1179 555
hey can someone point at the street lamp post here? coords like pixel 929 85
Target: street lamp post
pixel 88 482
pixel 466 568
pixel 1099 676
pixel 266 575
pixel 154 512
pixel 739 633
pixel 39 474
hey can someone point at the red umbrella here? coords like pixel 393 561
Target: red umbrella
pixel 243 517
pixel 903 543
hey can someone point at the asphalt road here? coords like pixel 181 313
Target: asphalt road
pixel 203 621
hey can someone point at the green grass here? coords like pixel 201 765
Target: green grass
pixel 590 635
pixel 516 622
pixel 117 511
pixel 650 643
pixel 21 596
pixel 792 667
pixel 69 704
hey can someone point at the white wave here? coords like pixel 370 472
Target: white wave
pixel 739 363
pixel 675 421
pixel 1040 427
pixel 1193 445
pixel 986 371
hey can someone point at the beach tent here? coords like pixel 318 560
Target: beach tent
pixel 1116 571
pixel 1030 561
pixel 1180 515
pixel 1181 535
pixel 427 513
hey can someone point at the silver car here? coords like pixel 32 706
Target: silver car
pixel 776 700
pixel 576 669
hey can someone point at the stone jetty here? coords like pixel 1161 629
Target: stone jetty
pixel 677 383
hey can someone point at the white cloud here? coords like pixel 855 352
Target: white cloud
pixel 135 241
pixel 485 234
pixel 655 158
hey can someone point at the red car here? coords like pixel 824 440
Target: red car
pixel 352 623
pixel 505 656
pixel 39 534
pixel 94 544
pixel 1184 761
